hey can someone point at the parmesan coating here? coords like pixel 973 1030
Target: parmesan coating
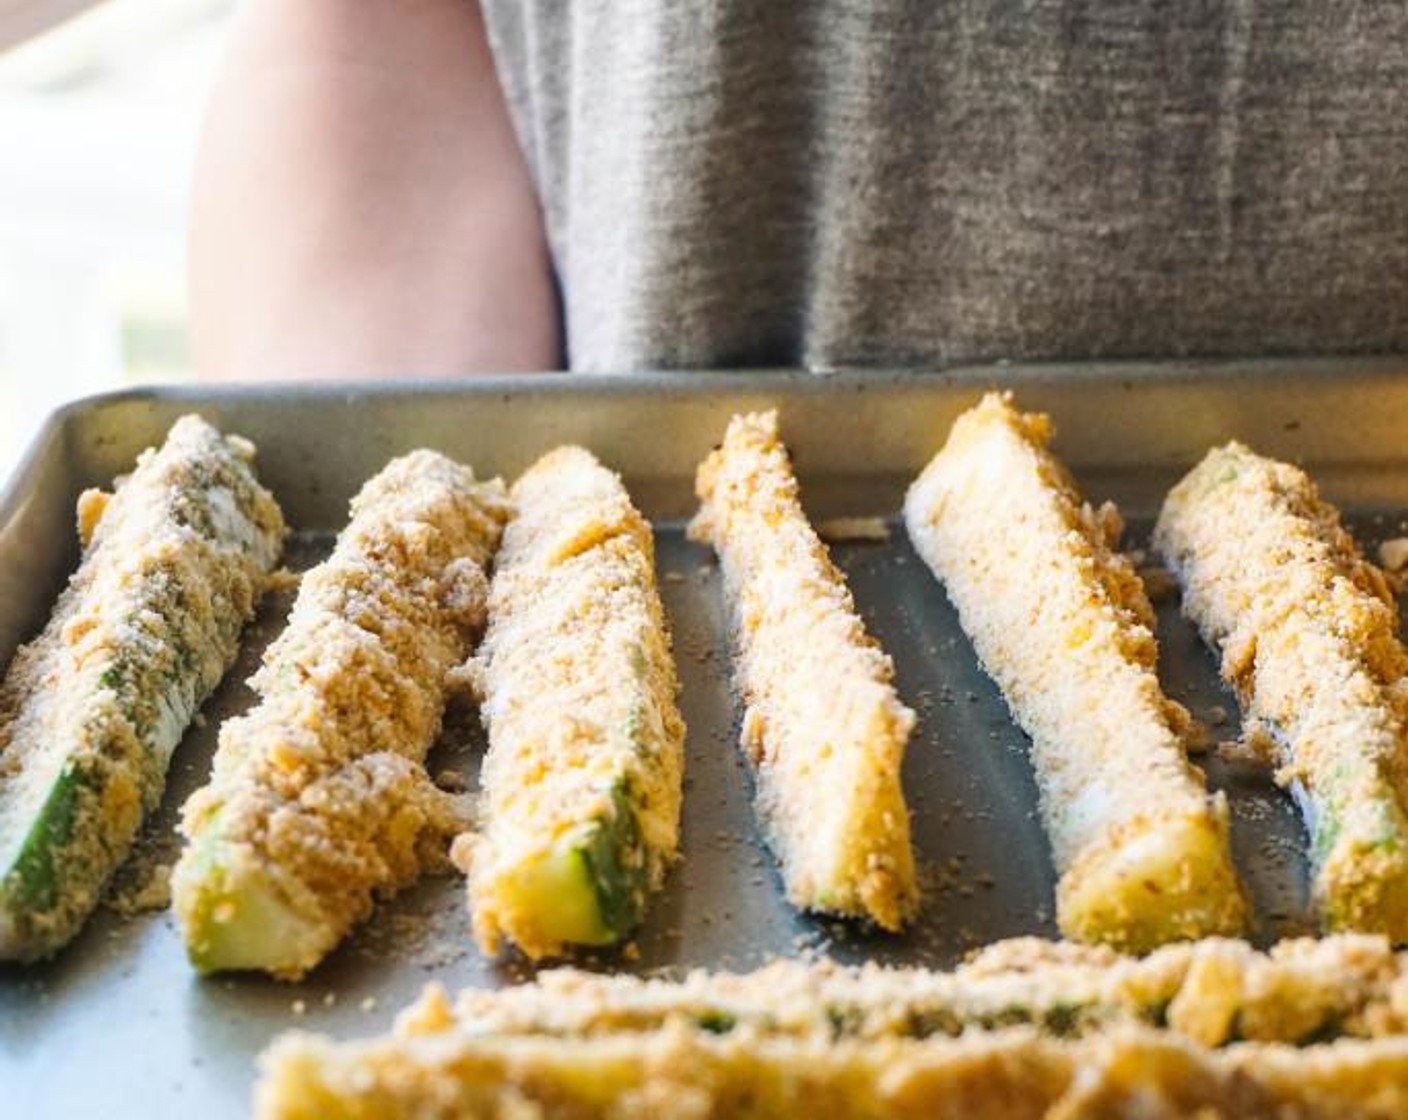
pixel 1015 1073
pixel 822 724
pixel 1062 623
pixel 91 711
pixel 1307 630
pixel 582 780
pixel 1215 992
pixel 319 801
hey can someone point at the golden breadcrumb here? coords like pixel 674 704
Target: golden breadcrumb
pixel 582 781
pixel 434 1067
pixel 1061 622
pixel 91 711
pixel 319 800
pixel 1308 634
pixel 822 724
pixel 1215 991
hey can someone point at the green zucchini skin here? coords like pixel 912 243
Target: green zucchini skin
pixel 615 864
pixel 91 711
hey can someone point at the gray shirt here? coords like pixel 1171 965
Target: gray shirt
pixel 832 183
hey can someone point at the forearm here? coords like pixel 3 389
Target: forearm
pixel 361 205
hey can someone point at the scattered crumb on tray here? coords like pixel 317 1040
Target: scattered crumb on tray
pixel 1247 750
pixel 1159 584
pixel 1393 554
pixel 838 529
pixel 142 884
pixel 1199 737
pixel 1393 558
pixel 283 581
pixel 429 934
pixel 135 894
pixel 451 781
pixel 466 681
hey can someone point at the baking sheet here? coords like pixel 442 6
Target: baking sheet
pixel 118 1025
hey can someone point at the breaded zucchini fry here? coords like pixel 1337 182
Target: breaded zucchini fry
pixel 1062 623
pixel 1215 991
pixel 91 710
pixel 433 1069
pixel 1307 630
pixel 319 800
pixel 582 781
pixel 822 726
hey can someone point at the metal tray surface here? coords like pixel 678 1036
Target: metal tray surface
pixel 118 1024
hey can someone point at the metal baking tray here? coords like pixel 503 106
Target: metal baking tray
pixel 118 1025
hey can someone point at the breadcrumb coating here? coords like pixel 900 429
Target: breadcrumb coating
pixel 1061 622
pixel 822 723
pixel 1307 630
pixel 91 711
pixel 871 1043
pixel 1216 991
pixel 586 744
pixel 319 801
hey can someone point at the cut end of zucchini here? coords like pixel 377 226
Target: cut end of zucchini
pixel 1160 879
pixel 579 892
pixel 51 874
pixel 236 918
pixel 1363 888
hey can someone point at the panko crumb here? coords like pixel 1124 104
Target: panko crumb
pixel 141 893
pixel 1159 584
pixel 1393 558
pixel 836 530
pixel 466 681
pixel 283 581
pixel 826 767
pixel 1198 737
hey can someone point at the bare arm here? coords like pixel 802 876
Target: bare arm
pixel 361 205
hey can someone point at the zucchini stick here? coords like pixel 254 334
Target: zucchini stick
pixel 1307 631
pixel 582 780
pixel 1062 623
pixel 1215 991
pixel 432 1069
pixel 319 800
pixel 822 725
pixel 91 711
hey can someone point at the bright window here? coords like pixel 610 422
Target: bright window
pixel 98 123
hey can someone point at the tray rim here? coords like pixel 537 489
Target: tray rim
pixel 1162 372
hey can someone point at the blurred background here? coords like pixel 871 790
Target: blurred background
pixel 100 108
